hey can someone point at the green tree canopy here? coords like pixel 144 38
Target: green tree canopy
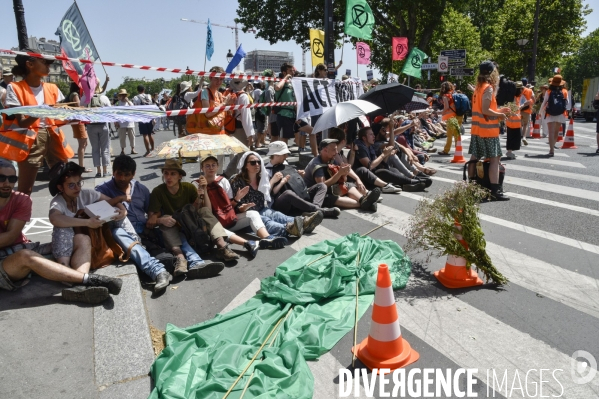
pixel 584 63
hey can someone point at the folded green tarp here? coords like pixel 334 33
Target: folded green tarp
pixel 312 292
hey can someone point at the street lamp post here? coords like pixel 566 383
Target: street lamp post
pixel 522 43
pixel 533 61
pixel 229 56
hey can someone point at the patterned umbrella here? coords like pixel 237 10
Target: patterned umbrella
pixel 199 145
pixel 416 104
pixel 139 113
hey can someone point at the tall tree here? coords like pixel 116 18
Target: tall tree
pixel 584 63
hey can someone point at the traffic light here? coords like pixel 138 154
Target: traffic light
pixel 442 78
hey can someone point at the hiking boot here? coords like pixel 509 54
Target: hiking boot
pixel 273 242
pixel 412 188
pixel 112 284
pixel 226 254
pixel 252 247
pixel 296 228
pixel 370 198
pixel 391 189
pixel 85 294
pixel 180 266
pixel 311 221
pixel 497 193
pixel 162 281
pixel 205 270
pixel 331 212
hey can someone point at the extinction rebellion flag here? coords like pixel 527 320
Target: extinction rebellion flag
pixel 75 40
pixel 413 64
pixel 359 19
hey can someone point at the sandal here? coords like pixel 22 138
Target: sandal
pixel 88 170
pixel 430 171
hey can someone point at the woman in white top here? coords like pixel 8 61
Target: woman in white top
pixel 553 121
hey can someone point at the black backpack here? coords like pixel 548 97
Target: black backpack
pixel 296 182
pixel 194 228
pixel 556 105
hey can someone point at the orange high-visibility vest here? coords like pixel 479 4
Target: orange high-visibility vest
pixel 198 123
pixel 513 121
pixel 483 125
pixel 448 113
pixel 527 93
pixel 16 142
pixel 565 94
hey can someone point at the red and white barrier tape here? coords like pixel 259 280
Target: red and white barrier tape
pixel 143 67
pixel 191 111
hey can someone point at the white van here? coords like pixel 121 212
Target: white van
pixel 590 87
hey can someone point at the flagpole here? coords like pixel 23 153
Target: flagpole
pixel 90 35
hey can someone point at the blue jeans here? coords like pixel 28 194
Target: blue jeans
pixel 275 222
pixel 124 235
pixel 193 259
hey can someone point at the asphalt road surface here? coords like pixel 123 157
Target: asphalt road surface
pixel 545 240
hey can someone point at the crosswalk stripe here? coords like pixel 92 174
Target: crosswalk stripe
pixel 553 161
pixel 537 185
pixel 536 200
pixel 459 336
pixel 527 151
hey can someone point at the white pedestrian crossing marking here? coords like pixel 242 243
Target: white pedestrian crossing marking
pixel 527 151
pixel 553 162
pixel 37 226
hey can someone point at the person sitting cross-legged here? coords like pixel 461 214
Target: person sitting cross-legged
pixel 172 196
pixel 19 257
pixel 135 197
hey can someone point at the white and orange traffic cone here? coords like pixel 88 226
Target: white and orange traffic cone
pixel 536 131
pixel 385 348
pixel 530 130
pixel 455 274
pixel 569 140
pixel 457 156
pixel 560 136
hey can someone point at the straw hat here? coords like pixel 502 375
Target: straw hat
pixel 122 92
pixel 185 85
pixel 556 80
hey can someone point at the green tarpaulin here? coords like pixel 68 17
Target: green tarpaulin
pixel 312 293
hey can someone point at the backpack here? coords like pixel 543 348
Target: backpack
pixel 481 176
pixel 221 204
pixel 177 102
pixel 296 183
pixel 143 98
pixel 95 102
pixel 194 228
pixel 461 104
pixel 556 105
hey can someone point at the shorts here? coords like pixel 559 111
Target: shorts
pixel 298 125
pixel 41 149
pixel 79 131
pixel 6 283
pixel 260 124
pixel 145 128
pixel 274 128
pixel 329 200
pixel 285 126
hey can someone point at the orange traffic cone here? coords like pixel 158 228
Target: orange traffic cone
pixel 560 136
pixel 455 274
pixel 536 131
pixel 569 141
pixel 385 348
pixel 457 156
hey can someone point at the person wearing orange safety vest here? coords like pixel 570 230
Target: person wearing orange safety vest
pixel 485 142
pixel 449 112
pixel 513 124
pixel 28 140
pixel 528 97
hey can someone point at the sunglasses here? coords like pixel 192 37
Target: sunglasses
pixel 11 179
pixel 254 163
pixel 72 186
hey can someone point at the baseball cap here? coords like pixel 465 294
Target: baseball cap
pixel 486 67
pixel 326 142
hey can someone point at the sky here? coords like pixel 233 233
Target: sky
pixel 150 32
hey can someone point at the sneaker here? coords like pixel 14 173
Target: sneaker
pixel 84 294
pixel 273 242
pixel 524 141
pixel 374 207
pixel 252 247
pixel 431 150
pixel 390 189
pixel 412 188
pixel 296 228
pixel 112 284
pixel 370 198
pixel 226 254
pixel 180 266
pixel 510 155
pixel 162 281
pixel 205 270
pixel 334 212
pixel 311 221
pixel 379 200
pixel 426 180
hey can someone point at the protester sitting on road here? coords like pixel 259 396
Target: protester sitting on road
pixel 290 192
pixel 233 217
pixel 366 159
pixel 165 200
pixel 322 169
pixel 253 174
pixel 19 256
pixel 135 197
pixel 405 139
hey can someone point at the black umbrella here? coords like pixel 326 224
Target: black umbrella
pixel 389 97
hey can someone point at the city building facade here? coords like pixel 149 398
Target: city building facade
pixel 41 45
pixel 257 61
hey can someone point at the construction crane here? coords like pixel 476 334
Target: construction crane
pixel 234 28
